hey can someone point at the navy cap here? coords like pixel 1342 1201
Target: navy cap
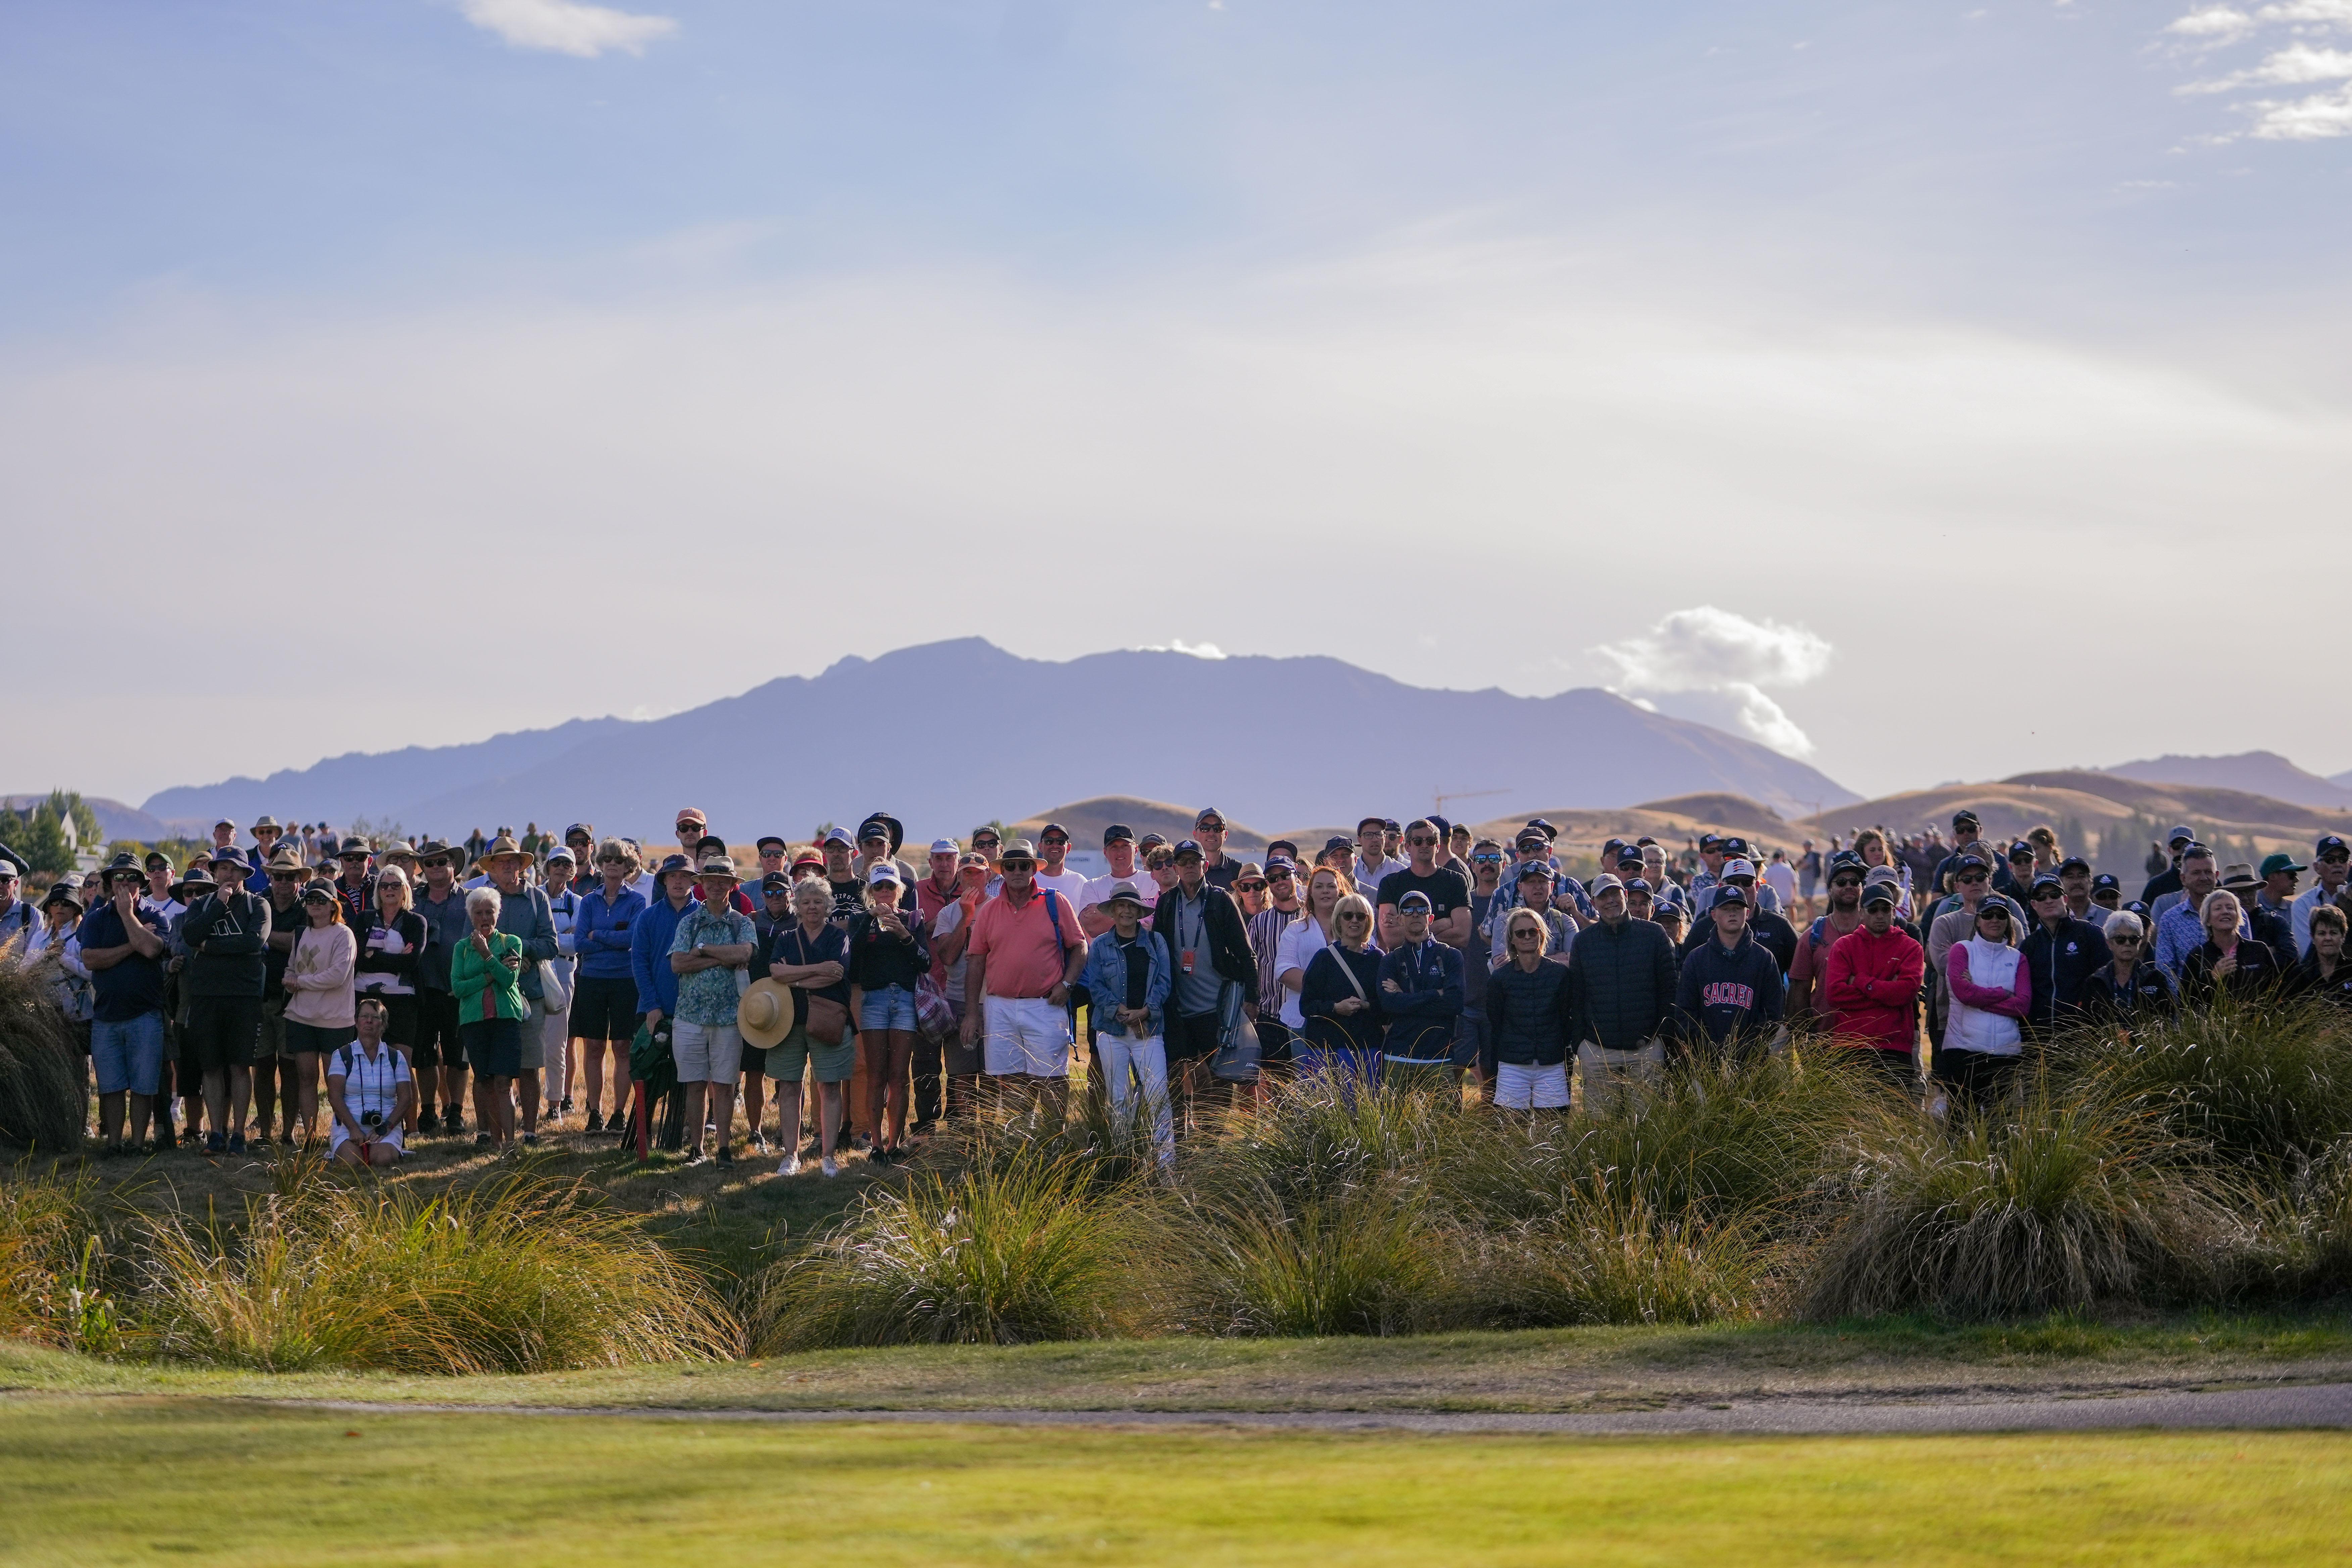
pixel 1965 818
pixel 674 863
pixel 1535 870
pixel 1364 822
pixel 581 828
pixel 2329 844
pixel 1546 828
pixel 775 882
pixel 2048 879
pixel 2105 881
pixel 1117 833
pixel 1629 855
pixel 765 839
pixel 2136 907
pixel 2183 833
pixel 2021 850
pixel 1847 860
pixel 1637 885
pixel 1281 849
pixel 2073 863
pixel 1281 863
pixel 1191 847
pixel 1710 841
pixel 1445 829
pixel 1337 841
pixel 1879 893
pixel 1969 863
pixel 1730 893
pixel 1735 845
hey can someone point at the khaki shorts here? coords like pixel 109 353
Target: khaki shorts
pixel 1608 1076
pixel 273 1032
pixel 793 1058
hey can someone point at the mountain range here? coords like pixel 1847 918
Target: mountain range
pixel 2253 773
pixel 950 734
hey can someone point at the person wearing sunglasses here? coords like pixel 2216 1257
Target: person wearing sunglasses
pixel 1807 968
pixel 1991 991
pixel 1208 833
pixel 2062 953
pixel 1447 890
pixel 1278 907
pixel 2331 863
pixel 1957 922
pixel 1871 987
pixel 1527 1013
pixel 2324 971
pixel 1343 1021
pixel 2132 991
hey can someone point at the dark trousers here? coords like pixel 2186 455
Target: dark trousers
pixel 1976 1078
pixel 927 1079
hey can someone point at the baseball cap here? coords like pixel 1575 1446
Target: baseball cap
pixel 2073 863
pixel 1730 893
pixel 2105 880
pixel 1629 855
pixel 775 882
pixel 1844 860
pixel 841 835
pixel 1637 885
pixel 1734 845
pixel 690 815
pixel 1965 819
pixel 351 846
pixel 1282 847
pixel 970 859
pixel 1415 900
pixel 581 828
pixel 1337 841
pixel 2274 864
pixel 1738 869
pixel 1530 835
pixel 1546 828
pixel 2329 844
pixel 1606 882
pixel 1118 832
pixel 1208 815
pixel 1052 827
pixel 873 827
pixel 945 846
pixel 765 839
pixel 2183 833
pixel 316 893
pixel 1281 863
pixel 1192 847
pixel 1878 893
pixel 715 866
pixel 1710 841
pixel 2048 879
pixel 561 853
pixel 2021 850
pixel 1536 871
pixel 883 872
pixel 1364 822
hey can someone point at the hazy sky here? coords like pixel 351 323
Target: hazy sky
pixel 1933 391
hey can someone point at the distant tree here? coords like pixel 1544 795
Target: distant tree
pixel 42 842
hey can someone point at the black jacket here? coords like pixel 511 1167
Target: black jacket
pixel 1323 985
pixel 2149 997
pixel 1229 948
pixel 227 940
pixel 2303 980
pixel 1728 999
pixel 2257 975
pixel 878 959
pixel 1527 1014
pixel 1621 981
pixel 2060 958
pixel 2274 931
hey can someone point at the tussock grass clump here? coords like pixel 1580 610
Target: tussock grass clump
pixel 517 1275
pixel 1022 1246
pixel 1366 1259
pixel 2258 1085
pixel 1613 1258
pixel 2306 1229
pixel 2052 1203
pixel 40 1088
pixel 53 1262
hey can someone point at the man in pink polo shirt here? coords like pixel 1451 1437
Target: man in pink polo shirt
pixel 1026 954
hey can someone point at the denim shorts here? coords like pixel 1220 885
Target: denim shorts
pixel 892 1008
pixel 128 1054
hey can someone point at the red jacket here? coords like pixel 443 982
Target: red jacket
pixel 1871 989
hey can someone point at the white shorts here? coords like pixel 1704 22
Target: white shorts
pixel 706 1053
pixel 1026 1034
pixel 1523 1087
pixel 341 1135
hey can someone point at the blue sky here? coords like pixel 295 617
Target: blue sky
pixel 1753 359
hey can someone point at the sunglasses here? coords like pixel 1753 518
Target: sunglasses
pixel 1856 881
pixel 1485 859
pixel 1052 841
pixel 1527 933
pixel 2052 897
pixel 690 827
pixel 1422 841
pixel 1277 877
pixel 2123 941
pixel 286 876
pixel 1973 877
pixel 986 843
pixel 1249 887
pixel 1355 917
pixel 352 860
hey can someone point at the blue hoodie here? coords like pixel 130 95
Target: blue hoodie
pixel 1726 994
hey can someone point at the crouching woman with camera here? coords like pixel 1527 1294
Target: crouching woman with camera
pixel 372 1091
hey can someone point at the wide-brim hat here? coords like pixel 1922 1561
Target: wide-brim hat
pixel 270 822
pixel 283 859
pixel 763 1013
pixel 1017 849
pixel 891 827
pixel 2238 875
pixel 398 849
pixel 502 846
pixel 64 894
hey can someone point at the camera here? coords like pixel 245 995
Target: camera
pixel 372 1120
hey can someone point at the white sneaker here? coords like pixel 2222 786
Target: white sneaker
pixel 789 1167
pixel 831 1166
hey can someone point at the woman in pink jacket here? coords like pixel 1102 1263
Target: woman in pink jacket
pixel 1983 1041
pixel 319 1011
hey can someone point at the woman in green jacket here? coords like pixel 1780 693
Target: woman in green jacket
pixel 486 977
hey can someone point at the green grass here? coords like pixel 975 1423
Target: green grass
pixel 85 1482
pixel 1597 1368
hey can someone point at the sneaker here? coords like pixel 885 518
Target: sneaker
pixel 618 1122
pixel 452 1124
pixel 428 1124
pixel 831 1166
pixel 758 1144
pixel 215 1143
pixel 878 1156
pixel 789 1165
pixel 567 1106
pixel 726 1153
pixel 483 1140
pixel 695 1157
pixel 237 1144
pixel 861 1144
pixel 530 1138
pixel 261 1143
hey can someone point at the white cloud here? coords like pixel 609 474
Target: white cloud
pixel 1178 644
pixel 2296 65
pixel 1725 660
pixel 567 26
pixel 2313 119
pixel 2214 22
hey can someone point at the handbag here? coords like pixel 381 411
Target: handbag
pixel 553 990
pixel 1238 1051
pixel 828 1020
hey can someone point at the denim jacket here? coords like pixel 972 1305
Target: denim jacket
pixel 1106 981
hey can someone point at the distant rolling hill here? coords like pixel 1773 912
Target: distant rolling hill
pixel 2250 772
pixel 950 734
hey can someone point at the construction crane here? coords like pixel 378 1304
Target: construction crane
pixel 1462 795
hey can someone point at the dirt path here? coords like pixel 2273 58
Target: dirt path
pixel 2292 1405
